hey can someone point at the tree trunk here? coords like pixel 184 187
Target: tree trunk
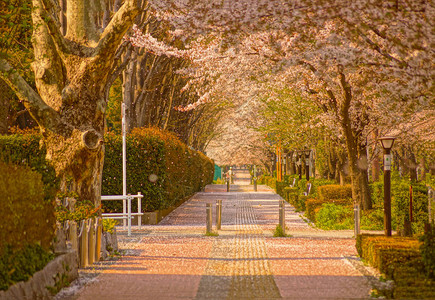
pixel 4 106
pixel 72 76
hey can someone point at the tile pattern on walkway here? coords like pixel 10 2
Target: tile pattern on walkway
pixel 174 260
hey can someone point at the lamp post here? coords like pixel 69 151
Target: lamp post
pixel 387 143
pixel 307 153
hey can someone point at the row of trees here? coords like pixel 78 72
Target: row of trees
pixel 366 67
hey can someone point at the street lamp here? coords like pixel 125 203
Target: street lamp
pixel 307 153
pixel 387 143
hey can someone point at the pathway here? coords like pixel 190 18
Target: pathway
pixel 175 260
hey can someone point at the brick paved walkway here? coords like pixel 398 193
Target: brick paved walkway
pixel 175 260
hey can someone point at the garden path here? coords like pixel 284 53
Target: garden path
pixel 175 260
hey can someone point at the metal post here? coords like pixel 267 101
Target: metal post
pixel 255 178
pixel 91 241
pixel 83 244
pixel 300 166
pixel 209 218
pixel 129 214
pixel 73 235
pixel 228 184
pixel 356 212
pixel 387 192
pixel 98 234
pixel 307 166
pixel 218 214
pixel 124 164
pixel 282 215
pixel 139 210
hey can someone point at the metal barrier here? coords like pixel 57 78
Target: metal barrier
pixel 125 215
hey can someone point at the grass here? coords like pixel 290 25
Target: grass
pixel 279 232
pixel 211 233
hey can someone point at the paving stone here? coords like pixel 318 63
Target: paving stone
pixel 175 260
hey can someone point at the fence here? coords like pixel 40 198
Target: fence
pixel 126 211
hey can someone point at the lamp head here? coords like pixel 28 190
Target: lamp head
pixel 387 142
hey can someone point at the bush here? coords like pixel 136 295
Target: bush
pixel 372 219
pixel 27 216
pixel 427 249
pixel 25 150
pixel 291 194
pixel 400 260
pixel 400 205
pixel 280 185
pixel 313 206
pixel 20 264
pixel 335 191
pixel 334 217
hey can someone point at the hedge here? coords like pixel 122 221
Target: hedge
pixel 27 215
pixel 313 206
pixel 27 224
pixel 334 191
pixel 399 258
pixel 159 166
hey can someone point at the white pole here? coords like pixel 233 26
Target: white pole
pixel 124 165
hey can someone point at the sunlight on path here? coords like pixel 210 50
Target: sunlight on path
pixel 175 260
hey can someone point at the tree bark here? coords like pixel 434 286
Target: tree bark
pixel 71 75
pixel 4 106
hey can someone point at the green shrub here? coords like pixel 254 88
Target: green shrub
pixel 312 206
pixel 335 191
pixel 20 264
pixel 427 249
pixel 292 194
pixel 334 217
pixel 300 202
pixel 280 185
pixel 399 259
pixel 400 205
pixel 109 225
pixel 372 219
pixel 377 194
pixel 25 150
pixel 27 216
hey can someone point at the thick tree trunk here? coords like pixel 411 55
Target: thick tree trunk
pixel 4 106
pixel 71 76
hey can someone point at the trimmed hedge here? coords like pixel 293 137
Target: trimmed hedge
pixel 280 185
pixel 20 265
pixel 313 206
pixel 27 224
pixel 334 191
pixel 158 164
pixel 399 258
pixel 27 216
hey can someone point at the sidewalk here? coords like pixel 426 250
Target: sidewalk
pixel 175 260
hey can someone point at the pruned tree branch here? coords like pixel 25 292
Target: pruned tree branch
pixel 44 115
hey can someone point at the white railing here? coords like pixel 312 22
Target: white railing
pixel 126 212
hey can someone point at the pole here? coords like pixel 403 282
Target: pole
pixel 218 214
pixel 307 166
pixel 282 215
pixel 255 178
pixel 357 219
pixel 387 192
pixel 300 166
pixel 124 165
pixel 209 218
